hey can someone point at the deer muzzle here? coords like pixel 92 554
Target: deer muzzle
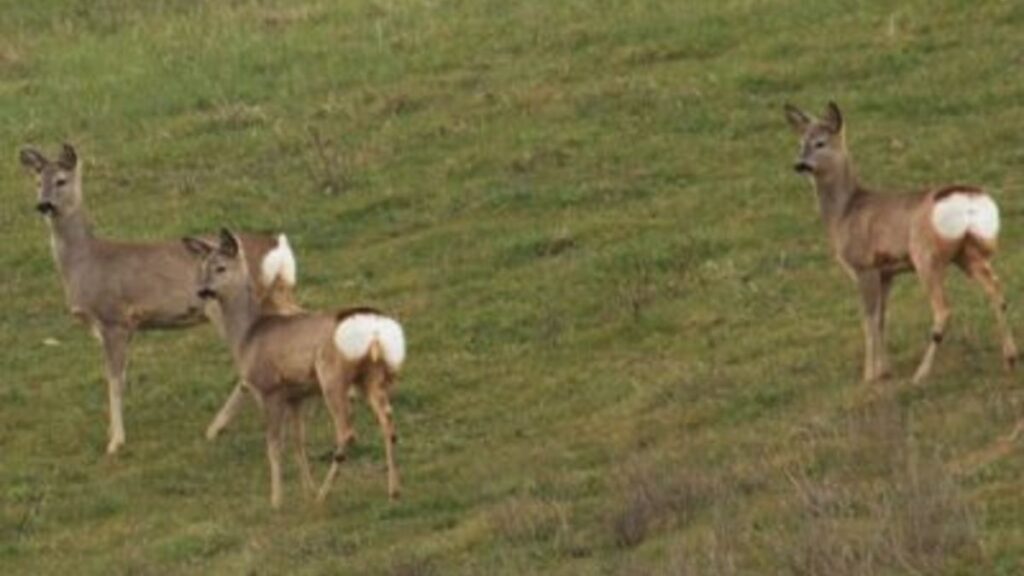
pixel 803 167
pixel 206 293
pixel 47 208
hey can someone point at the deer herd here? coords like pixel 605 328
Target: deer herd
pixel 283 354
pixel 243 283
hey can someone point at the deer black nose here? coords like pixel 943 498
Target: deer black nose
pixel 47 207
pixel 802 167
pixel 206 293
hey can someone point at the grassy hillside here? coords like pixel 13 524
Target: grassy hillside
pixel 630 351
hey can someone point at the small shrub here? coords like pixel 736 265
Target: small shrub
pixel 529 520
pixel 325 166
pixel 414 566
pixel 637 288
pixel 879 505
pixel 930 521
pixel 631 523
pixel 657 497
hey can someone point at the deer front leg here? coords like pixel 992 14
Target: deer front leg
pixel 275 410
pixel 115 340
pixel 870 285
pixel 882 359
pixel 296 415
pixel 932 278
pixel 227 411
pixel 381 405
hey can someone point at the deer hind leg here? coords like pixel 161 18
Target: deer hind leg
pixel 227 411
pixel 932 275
pixel 296 415
pixel 377 396
pixel 334 384
pixel 873 306
pixel 275 409
pixel 115 340
pixel 978 267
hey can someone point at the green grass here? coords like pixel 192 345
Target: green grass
pixel 630 350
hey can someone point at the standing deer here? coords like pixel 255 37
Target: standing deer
pixel 118 288
pixel 877 236
pixel 286 359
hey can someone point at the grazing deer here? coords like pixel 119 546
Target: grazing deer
pixel 118 288
pixel 877 236
pixel 286 359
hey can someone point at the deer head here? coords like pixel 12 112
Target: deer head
pixel 223 271
pixel 822 142
pixel 59 181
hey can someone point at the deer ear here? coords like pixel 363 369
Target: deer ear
pixel 229 245
pixel 833 117
pixel 797 118
pixel 32 159
pixel 68 157
pixel 198 246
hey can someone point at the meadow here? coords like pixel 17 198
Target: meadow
pixel 630 350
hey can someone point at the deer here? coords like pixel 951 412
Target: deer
pixel 878 236
pixel 118 288
pixel 286 359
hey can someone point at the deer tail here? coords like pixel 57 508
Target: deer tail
pixel 371 336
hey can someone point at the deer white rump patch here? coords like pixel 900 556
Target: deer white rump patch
pixel 958 214
pixel 279 263
pixel 358 332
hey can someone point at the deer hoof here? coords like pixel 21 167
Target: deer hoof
pixel 877 377
pixel 919 376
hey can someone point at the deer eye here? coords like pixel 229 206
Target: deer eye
pixel 819 144
pixel 61 182
pixel 220 269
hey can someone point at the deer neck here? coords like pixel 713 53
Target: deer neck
pixel 71 239
pixel 835 189
pixel 241 310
